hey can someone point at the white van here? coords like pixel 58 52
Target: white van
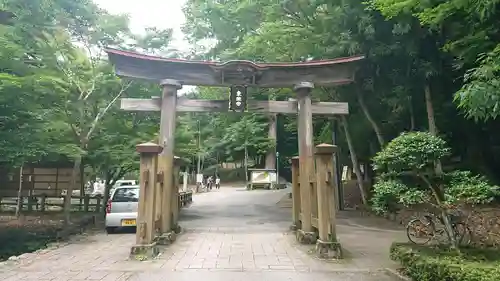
pixel 119 183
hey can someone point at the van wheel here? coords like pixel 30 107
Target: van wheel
pixel 110 230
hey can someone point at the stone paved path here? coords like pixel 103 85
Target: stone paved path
pixel 229 234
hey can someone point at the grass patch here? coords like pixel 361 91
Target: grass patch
pixel 434 263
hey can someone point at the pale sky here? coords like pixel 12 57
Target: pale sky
pixel 151 13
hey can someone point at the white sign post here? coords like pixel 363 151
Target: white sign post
pixel 199 182
pixel 185 181
pixel 199 178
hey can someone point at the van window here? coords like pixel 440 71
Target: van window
pixel 126 195
pixel 125 182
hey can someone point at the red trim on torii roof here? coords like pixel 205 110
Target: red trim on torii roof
pixel 257 65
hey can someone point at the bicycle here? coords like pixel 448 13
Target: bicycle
pixel 425 228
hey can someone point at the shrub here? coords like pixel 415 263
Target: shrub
pixel 23 239
pixel 462 187
pixel 433 264
pixel 412 151
pixel 407 176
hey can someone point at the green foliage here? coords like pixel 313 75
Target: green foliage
pixel 21 122
pixel 27 80
pixel 412 151
pixel 463 187
pixel 479 95
pixel 467 28
pixel 386 196
pixel 58 92
pixel 249 132
pixel 217 137
pixel 429 264
pixel 399 58
pixel 389 195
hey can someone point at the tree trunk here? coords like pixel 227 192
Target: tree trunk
pixel 246 164
pixel 198 165
pixel 430 110
pixel 412 114
pixel 366 112
pixel 449 230
pixel 19 192
pixel 107 189
pixel 217 164
pixel 69 192
pixel 354 159
pixel 432 122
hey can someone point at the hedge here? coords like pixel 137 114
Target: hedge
pixel 17 239
pixel 440 264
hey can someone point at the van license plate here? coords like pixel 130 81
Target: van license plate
pixel 128 222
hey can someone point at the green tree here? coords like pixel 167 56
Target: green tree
pixel 26 77
pixel 248 137
pixel 470 29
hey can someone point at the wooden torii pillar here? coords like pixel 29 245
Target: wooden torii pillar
pixel 327 245
pixel 306 233
pixel 168 104
pixel 145 245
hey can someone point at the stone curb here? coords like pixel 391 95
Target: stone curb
pixel 394 273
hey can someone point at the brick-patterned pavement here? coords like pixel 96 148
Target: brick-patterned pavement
pixel 229 234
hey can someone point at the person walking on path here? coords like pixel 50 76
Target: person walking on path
pixel 217 182
pixel 210 182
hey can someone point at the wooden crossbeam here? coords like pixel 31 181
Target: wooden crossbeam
pixel 189 105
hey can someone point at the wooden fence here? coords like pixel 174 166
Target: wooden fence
pixel 44 203
pixel 185 198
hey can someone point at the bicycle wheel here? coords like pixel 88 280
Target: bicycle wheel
pixel 463 234
pixel 419 232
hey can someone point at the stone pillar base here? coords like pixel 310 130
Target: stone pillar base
pixel 144 252
pixel 328 250
pixel 166 238
pixel 304 237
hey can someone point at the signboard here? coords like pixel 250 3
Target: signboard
pixel 263 177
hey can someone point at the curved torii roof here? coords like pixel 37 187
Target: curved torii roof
pixel 237 72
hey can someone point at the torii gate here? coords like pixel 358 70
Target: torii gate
pixel 171 74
